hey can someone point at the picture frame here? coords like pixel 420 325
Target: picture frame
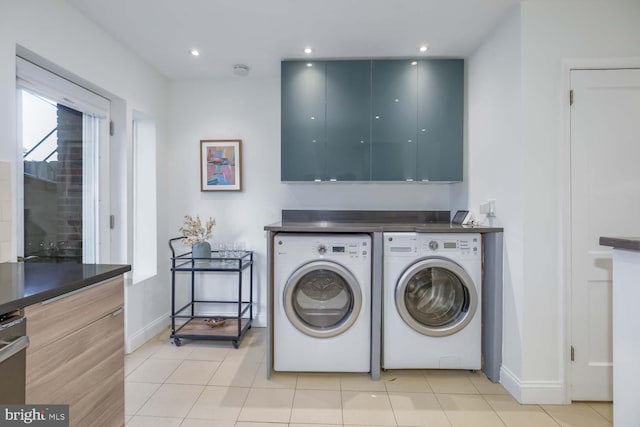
pixel 220 165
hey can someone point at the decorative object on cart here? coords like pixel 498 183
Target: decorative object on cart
pixel 188 321
pixel 220 165
pixel 196 234
pixel 214 322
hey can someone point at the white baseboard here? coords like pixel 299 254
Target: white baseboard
pixel 145 334
pixel 260 320
pixel 511 383
pixel 532 392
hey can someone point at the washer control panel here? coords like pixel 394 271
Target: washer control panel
pixel 350 250
pixel 323 246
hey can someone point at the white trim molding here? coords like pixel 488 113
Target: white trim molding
pixel 532 392
pixel 140 337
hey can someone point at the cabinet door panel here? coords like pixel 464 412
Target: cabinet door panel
pixel 348 154
pixel 440 119
pixel 84 369
pixel 303 121
pixel 394 120
pixel 50 321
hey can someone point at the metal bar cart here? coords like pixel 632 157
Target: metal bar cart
pixel 194 327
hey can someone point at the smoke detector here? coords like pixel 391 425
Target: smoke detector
pixel 240 70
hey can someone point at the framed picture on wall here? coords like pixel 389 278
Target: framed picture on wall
pixel 221 165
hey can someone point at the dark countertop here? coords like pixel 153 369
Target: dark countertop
pixel 328 221
pixel 630 243
pixel 371 227
pixel 24 284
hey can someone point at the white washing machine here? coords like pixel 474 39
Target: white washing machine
pixel 432 301
pixel 322 302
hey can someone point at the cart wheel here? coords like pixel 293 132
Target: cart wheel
pixel 236 344
pixel 177 342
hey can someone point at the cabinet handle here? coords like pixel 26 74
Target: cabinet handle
pixel 333 180
pixel 13 347
pixel 409 179
pixel 11 324
pixel 118 312
pixel 77 291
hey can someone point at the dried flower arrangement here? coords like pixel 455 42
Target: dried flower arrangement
pixel 194 231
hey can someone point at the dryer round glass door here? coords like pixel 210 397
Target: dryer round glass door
pixel 436 297
pixel 322 299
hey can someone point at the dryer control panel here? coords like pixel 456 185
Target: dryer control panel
pixel 446 244
pixel 411 245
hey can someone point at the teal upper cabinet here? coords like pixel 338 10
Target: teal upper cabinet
pixel 394 123
pixel 303 123
pixel 348 149
pixel 440 119
pixel 381 120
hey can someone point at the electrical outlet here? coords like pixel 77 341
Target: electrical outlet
pixel 488 208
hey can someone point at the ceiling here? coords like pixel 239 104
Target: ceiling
pixel 260 33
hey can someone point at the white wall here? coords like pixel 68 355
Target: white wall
pixel 6 211
pixel 249 109
pixel 553 31
pixel 495 162
pixel 55 31
pixel 515 144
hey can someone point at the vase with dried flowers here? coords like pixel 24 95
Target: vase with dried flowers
pixel 195 234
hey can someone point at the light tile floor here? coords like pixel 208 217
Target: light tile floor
pixel 210 384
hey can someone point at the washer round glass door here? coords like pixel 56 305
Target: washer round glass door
pixel 436 297
pixel 322 299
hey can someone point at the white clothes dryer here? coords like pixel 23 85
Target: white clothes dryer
pixel 322 302
pixel 432 301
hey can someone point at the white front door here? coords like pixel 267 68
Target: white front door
pixel 605 200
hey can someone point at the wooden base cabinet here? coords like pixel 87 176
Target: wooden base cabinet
pixel 85 367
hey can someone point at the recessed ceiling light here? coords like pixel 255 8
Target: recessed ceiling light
pixel 423 48
pixel 414 63
pixel 309 64
pixel 194 52
pixel 307 50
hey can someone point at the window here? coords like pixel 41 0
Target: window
pixel 144 198
pixel 63 134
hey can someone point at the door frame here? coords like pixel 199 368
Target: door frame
pixel 564 165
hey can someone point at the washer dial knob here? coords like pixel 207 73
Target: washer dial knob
pixel 433 245
pixel 322 249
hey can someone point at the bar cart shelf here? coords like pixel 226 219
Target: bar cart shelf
pixel 194 327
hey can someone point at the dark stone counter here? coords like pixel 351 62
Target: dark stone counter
pixel 373 227
pixel 24 284
pixel 630 243
pixel 319 221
